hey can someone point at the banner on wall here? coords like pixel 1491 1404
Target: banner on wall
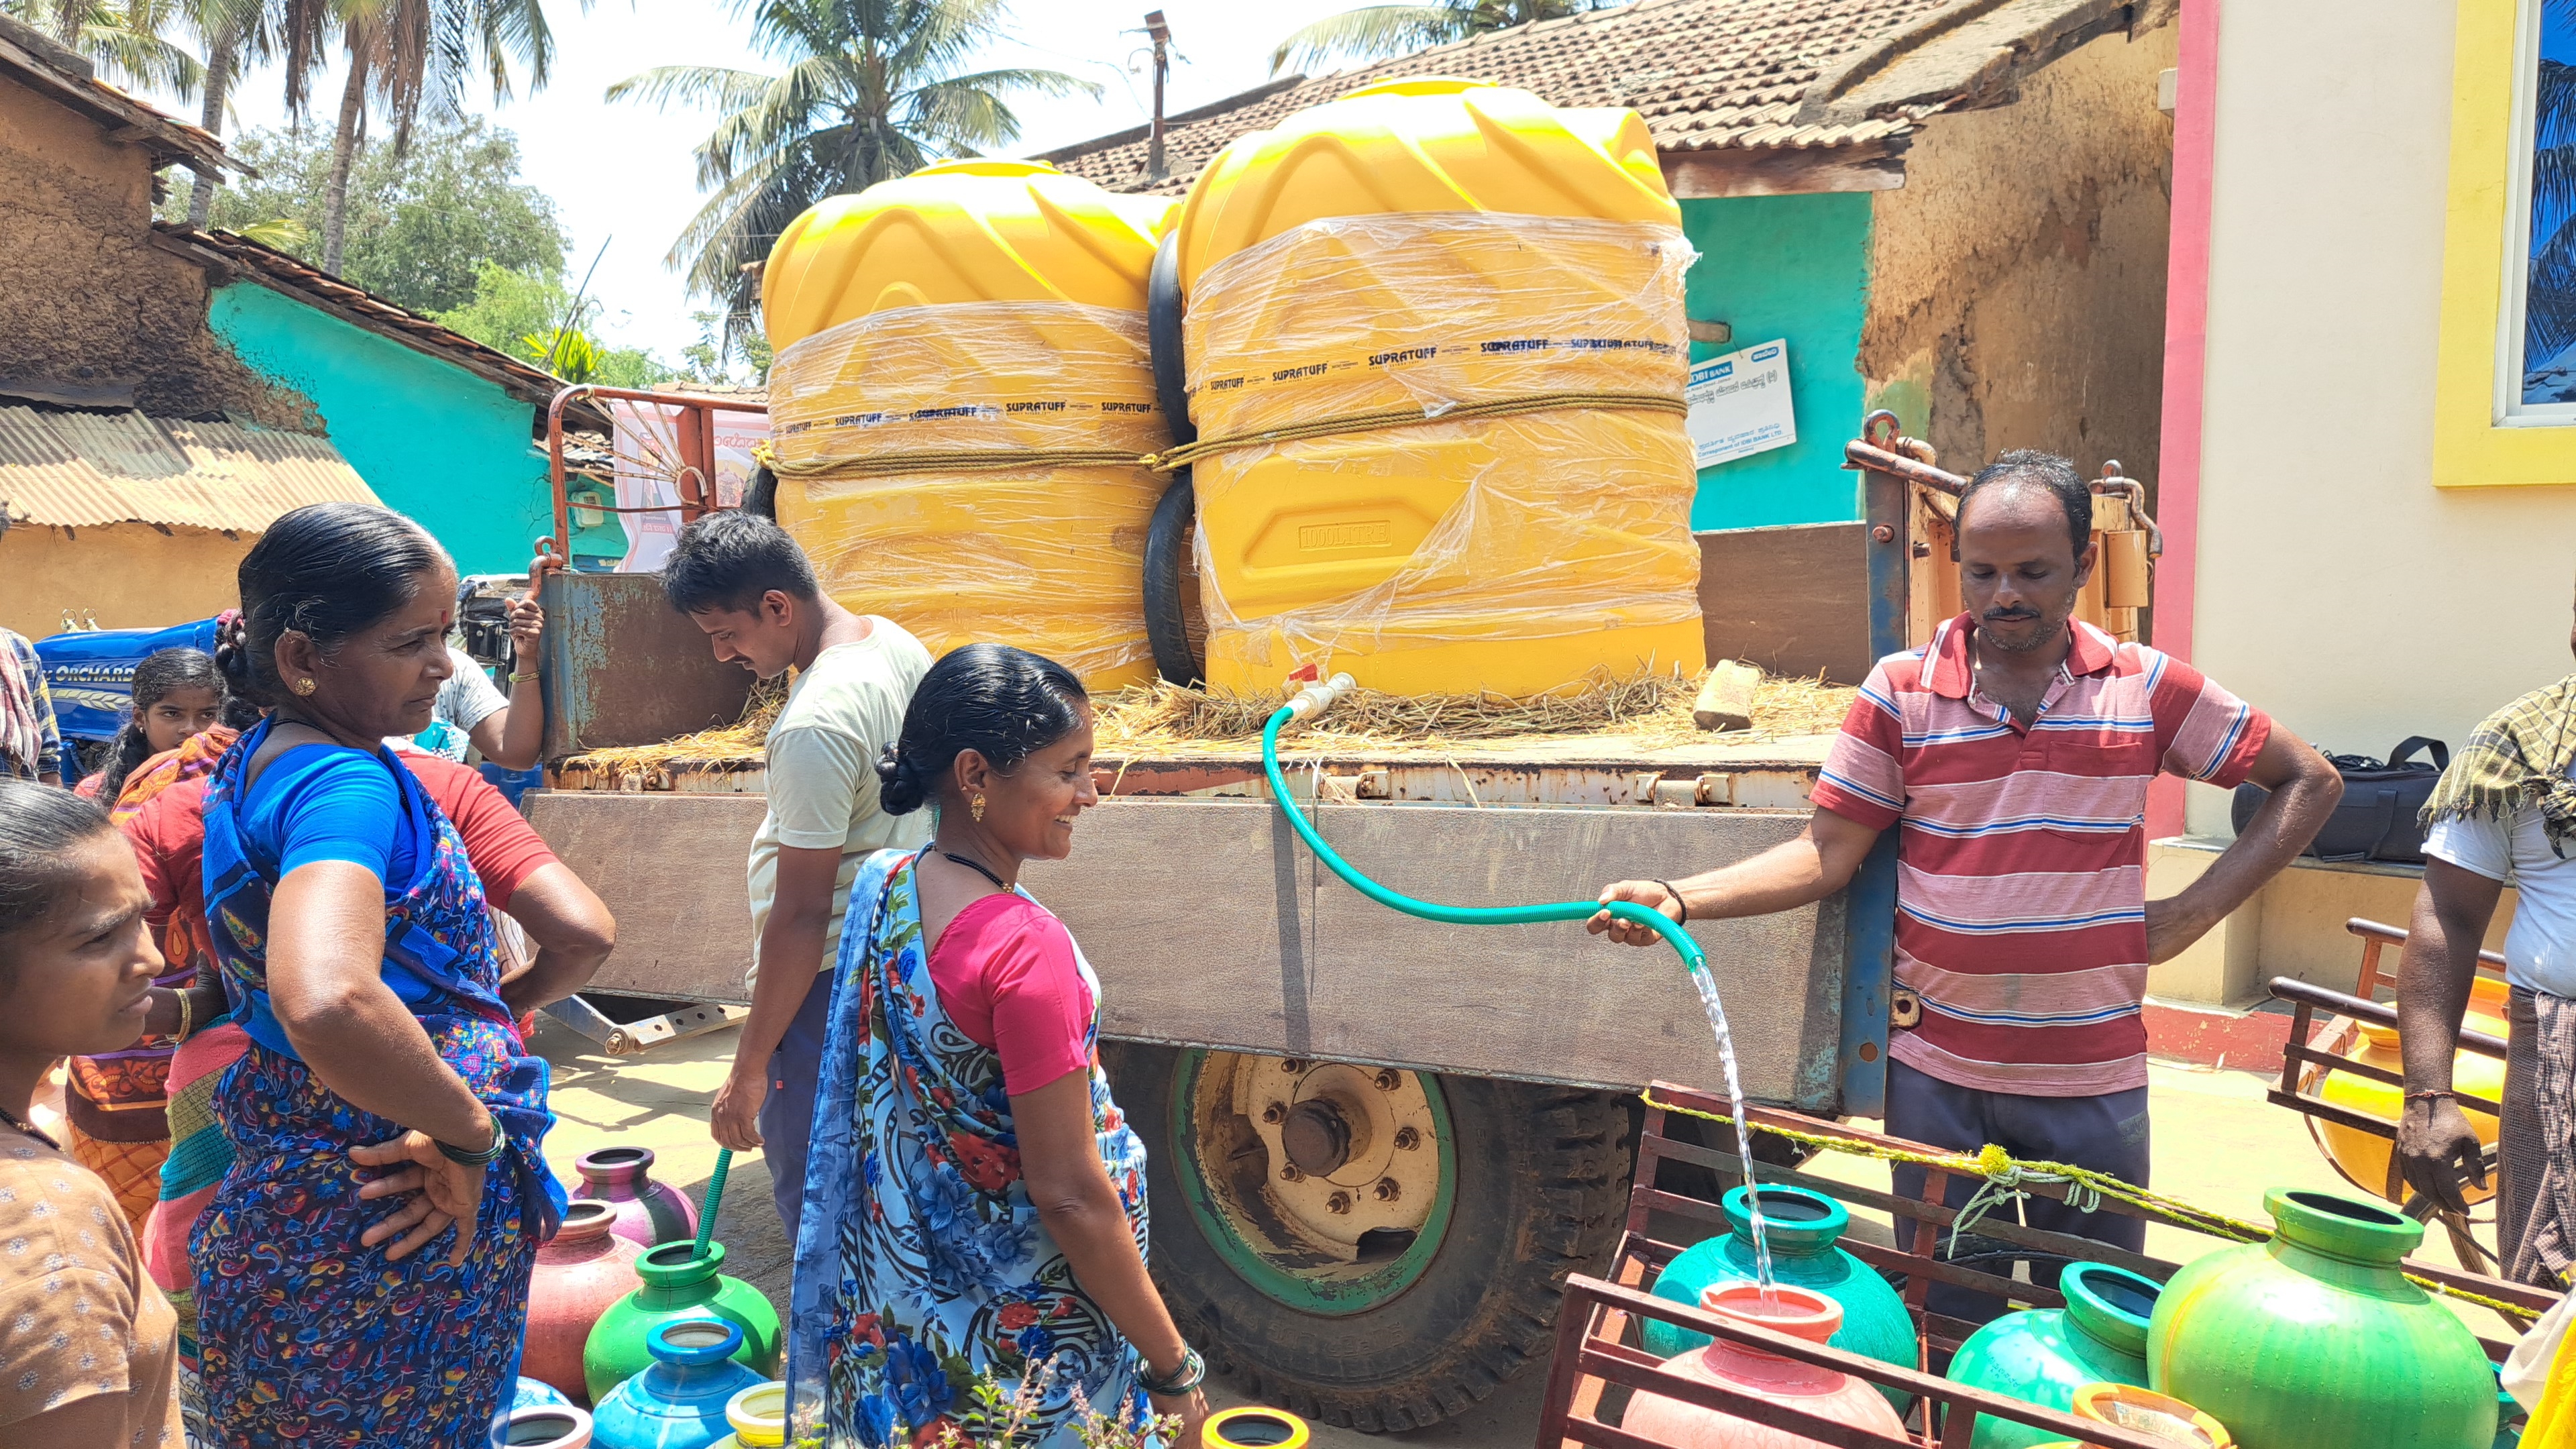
pixel 647 472
pixel 1739 404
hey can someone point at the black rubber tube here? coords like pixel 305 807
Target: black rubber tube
pixel 1163 307
pixel 1166 621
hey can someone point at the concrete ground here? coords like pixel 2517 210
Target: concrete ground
pixel 2218 1145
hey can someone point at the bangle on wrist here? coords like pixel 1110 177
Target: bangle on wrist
pixel 2428 1094
pixel 500 1143
pixel 1681 905
pixel 1191 1374
pixel 187 1016
pixel 518 678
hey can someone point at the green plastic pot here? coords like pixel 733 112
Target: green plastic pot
pixel 679 1282
pixel 2043 1356
pixel 2315 1340
pixel 1803 1229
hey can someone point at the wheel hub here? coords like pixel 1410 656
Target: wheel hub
pixel 1329 1179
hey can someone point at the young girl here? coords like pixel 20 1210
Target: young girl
pixel 176 694
pixel 91 1345
pixel 118 1105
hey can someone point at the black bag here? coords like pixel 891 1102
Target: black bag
pixel 2376 819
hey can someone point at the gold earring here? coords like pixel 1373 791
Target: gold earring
pixel 977 808
pixel 304 686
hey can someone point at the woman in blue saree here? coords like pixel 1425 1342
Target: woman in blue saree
pixel 974 1200
pixel 386 1101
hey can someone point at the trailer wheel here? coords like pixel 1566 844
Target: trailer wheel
pixel 1375 1249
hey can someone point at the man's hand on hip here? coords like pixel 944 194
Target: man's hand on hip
pixel 734 1120
pixel 2172 927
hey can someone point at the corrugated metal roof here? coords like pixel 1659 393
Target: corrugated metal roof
pixel 84 469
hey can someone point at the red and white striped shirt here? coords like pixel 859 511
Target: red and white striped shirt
pixel 2021 869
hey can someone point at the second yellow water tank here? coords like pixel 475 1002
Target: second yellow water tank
pixel 1414 247
pixel 960 389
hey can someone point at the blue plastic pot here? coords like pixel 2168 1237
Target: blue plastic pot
pixel 679 1401
pixel 1803 1228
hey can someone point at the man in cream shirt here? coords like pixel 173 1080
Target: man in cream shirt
pixel 740 578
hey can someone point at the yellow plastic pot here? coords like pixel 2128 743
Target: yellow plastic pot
pixel 2363 1157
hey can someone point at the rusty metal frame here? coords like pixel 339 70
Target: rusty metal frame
pixel 696 438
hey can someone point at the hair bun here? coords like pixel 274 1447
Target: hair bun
pixel 891 765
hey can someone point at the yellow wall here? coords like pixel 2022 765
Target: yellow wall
pixel 130 575
pixel 2338 587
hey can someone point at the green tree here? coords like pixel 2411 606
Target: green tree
pixel 532 315
pixel 873 89
pixel 424 223
pixel 123 38
pixel 1375 32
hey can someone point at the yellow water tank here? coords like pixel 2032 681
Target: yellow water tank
pixel 960 391
pixel 1414 247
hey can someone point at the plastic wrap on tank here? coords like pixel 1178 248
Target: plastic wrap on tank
pixel 876 426
pixel 1518 554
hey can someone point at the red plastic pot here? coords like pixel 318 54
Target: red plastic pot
pixel 585 1269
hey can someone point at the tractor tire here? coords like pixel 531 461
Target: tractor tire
pixel 1536 1189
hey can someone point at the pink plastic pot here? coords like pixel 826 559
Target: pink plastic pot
pixel 1823 1392
pixel 586 1268
pixel 649 1213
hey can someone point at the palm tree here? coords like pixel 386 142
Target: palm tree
pixel 122 37
pixel 404 55
pixel 872 90
pixel 1375 32
pixel 234 32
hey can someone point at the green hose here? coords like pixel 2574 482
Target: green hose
pixel 1662 925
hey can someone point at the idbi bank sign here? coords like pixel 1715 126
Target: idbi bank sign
pixel 1739 404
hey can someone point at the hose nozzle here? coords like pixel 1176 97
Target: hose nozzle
pixel 1314 699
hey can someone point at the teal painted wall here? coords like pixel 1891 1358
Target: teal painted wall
pixel 434 441
pixel 1795 267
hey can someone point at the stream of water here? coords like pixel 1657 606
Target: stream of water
pixel 1709 1003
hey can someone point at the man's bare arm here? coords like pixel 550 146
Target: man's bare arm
pixel 2304 791
pixel 2436 1147
pixel 1791 874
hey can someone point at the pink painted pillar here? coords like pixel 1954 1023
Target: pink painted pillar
pixel 2186 346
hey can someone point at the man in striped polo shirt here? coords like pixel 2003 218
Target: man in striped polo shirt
pixel 2015 751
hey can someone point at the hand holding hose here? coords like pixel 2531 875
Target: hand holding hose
pixel 1654 895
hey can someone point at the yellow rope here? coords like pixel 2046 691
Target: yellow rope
pixel 2000 1167
pixel 1186 454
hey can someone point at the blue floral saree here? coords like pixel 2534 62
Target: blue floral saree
pixel 921 1264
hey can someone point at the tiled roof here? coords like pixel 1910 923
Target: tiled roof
pixel 359 307
pixel 1708 75
pixel 83 469
pixel 32 59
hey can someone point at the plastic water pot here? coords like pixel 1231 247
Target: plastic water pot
pixel 648 1212
pixel 1824 1392
pixel 678 1402
pixel 759 1418
pixel 2316 1340
pixel 2045 1355
pixel 2364 1157
pixel 1803 1228
pixel 678 1284
pixel 579 1276
pixel 542 1426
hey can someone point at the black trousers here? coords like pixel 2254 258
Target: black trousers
pixel 2106 1133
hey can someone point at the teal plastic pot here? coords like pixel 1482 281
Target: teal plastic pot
pixel 2043 1356
pixel 1803 1228
pixel 2315 1340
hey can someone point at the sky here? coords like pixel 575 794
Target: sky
pixel 622 174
